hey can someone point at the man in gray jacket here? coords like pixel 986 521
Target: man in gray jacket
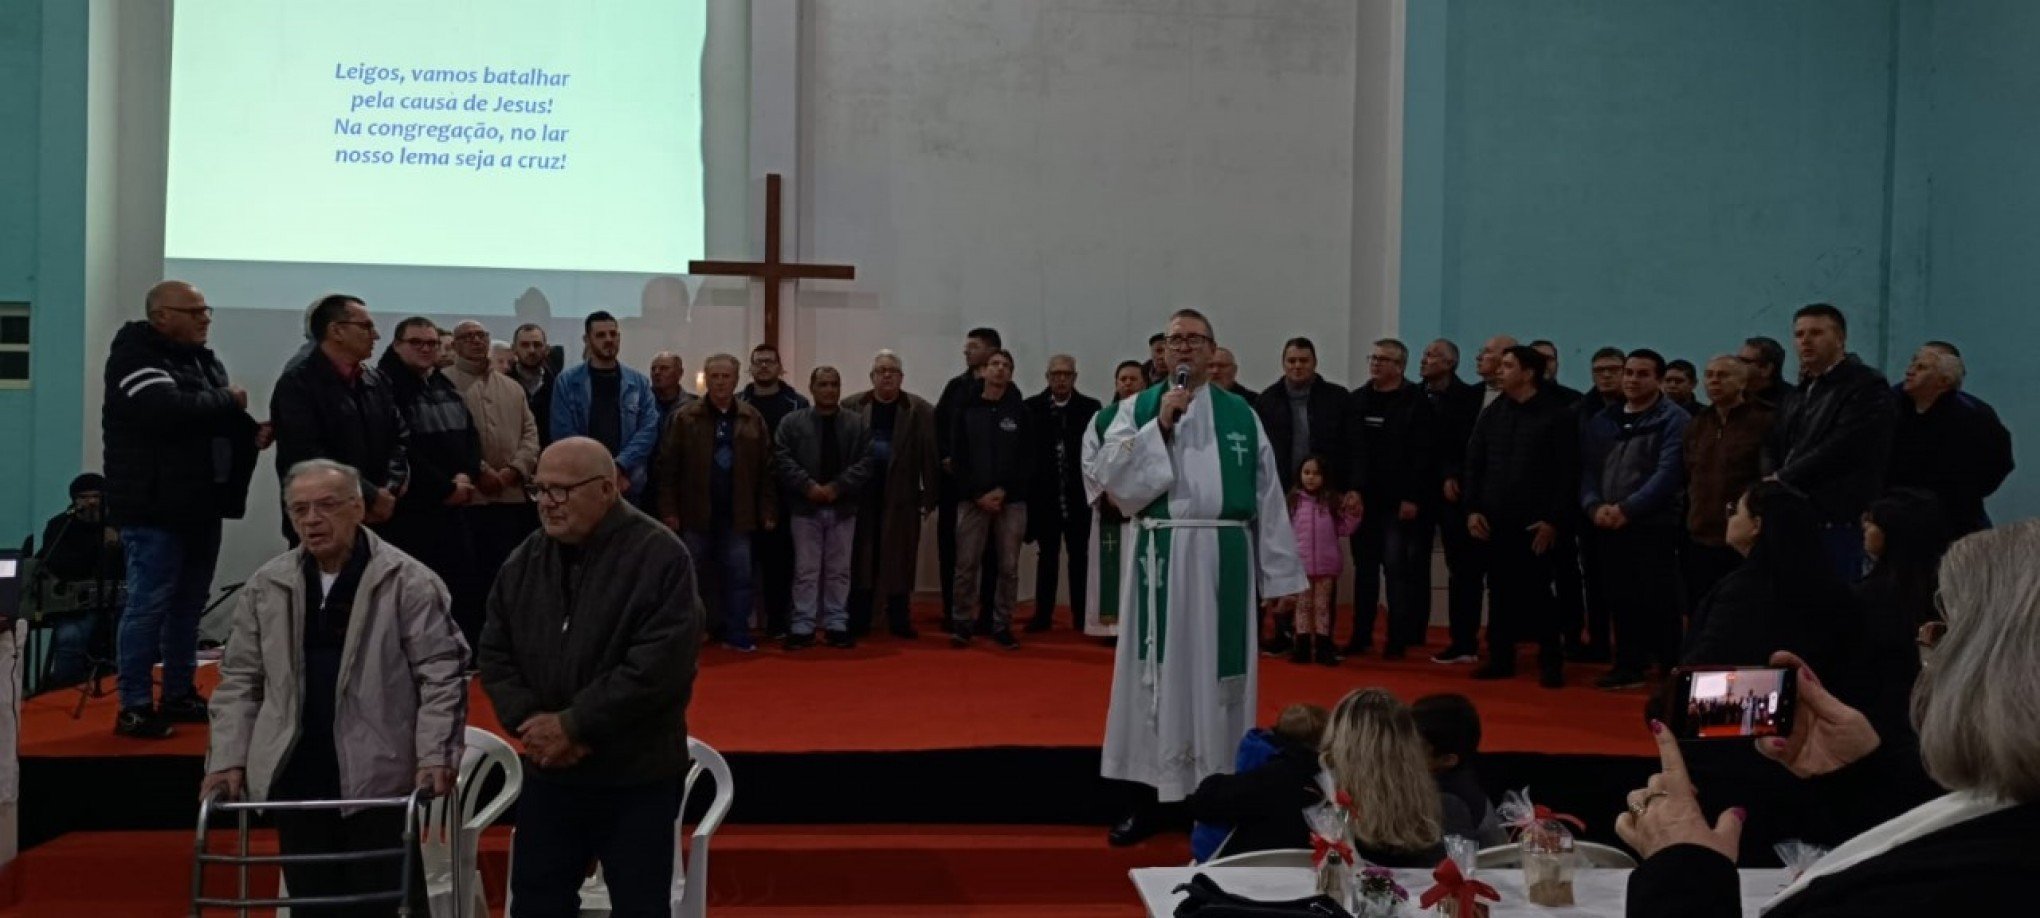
pixel 342 679
pixel 588 656
pixel 823 460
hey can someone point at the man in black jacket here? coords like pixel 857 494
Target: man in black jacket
pixel 1571 574
pixel 1058 517
pixel 1766 359
pixel 1454 407
pixel 1388 422
pixel 1225 373
pixel 1948 441
pixel 1303 414
pixel 334 405
pixel 445 453
pixel 956 394
pixel 994 456
pixel 533 369
pixel 1833 436
pixel 180 449
pixel 772 549
pixel 1522 468
pixel 589 657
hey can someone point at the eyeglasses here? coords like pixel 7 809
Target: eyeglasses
pixel 1180 342
pixel 1057 374
pixel 363 324
pixel 324 507
pixel 471 335
pixel 423 344
pixel 557 494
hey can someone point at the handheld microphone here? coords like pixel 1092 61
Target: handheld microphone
pixel 1182 376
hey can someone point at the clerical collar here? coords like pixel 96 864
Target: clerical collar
pixel 1061 402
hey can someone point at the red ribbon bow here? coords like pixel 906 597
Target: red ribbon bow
pixel 1321 846
pixel 1544 814
pixel 1464 893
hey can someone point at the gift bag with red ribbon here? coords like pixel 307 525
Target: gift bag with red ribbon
pixel 1457 895
pixel 1547 841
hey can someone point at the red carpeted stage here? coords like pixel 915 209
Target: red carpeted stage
pixel 889 695
pixel 895 754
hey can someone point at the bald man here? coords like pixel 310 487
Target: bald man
pixel 669 391
pixel 180 450
pixel 589 657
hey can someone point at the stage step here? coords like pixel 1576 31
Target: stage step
pixel 757 870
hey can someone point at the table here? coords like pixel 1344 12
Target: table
pixel 1598 892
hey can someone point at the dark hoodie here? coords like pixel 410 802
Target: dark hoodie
pixel 178 449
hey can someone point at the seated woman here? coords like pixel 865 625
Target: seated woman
pixel 1905 533
pixel 1373 753
pixel 1782 597
pixel 1969 851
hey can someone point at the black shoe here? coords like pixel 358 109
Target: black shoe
pixel 1394 653
pixel 797 642
pixel 1357 648
pixel 1497 668
pixel 1132 831
pixel 1551 674
pixel 1299 649
pixel 960 637
pixel 1323 655
pixel 904 632
pixel 1004 638
pixel 1277 645
pixel 1454 653
pixel 141 723
pixel 189 709
pixel 1618 679
pixel 840 640
pixel 1037 626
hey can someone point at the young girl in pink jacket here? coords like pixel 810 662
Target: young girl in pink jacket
pixel 1320 525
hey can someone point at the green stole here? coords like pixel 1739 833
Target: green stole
pixel 1239 450
pixel 1109 547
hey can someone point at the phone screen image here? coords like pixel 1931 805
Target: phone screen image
pixel 1731 703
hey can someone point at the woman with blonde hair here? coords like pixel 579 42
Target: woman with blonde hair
pixel 1373 753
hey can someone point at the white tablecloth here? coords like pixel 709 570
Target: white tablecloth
pixel 1600 893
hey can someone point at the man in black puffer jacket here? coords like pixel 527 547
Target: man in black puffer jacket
pixel 179 452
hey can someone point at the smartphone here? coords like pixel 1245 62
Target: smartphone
pixel 1732 702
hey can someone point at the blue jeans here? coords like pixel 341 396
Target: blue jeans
pixel 821 569
pixel 730 552
pixel 71 647
pixel 169 575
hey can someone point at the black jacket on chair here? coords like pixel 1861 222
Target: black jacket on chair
pixel 178 450
pixel 1833 439
pixel 1327 410
pixel 319 415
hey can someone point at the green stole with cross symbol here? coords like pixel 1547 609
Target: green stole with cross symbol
pixel 1239 439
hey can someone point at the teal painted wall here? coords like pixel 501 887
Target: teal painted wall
pixel 1683 175
pixel 42 250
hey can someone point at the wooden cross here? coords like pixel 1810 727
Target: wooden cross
pixel 772 270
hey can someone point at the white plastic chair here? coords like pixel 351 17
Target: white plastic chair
pixel 1595 854
pixel 453 872
pixel 1272 857
pixel 690 868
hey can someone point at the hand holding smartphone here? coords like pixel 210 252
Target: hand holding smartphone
pixel 1708 703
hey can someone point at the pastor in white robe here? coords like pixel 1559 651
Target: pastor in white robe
pixel 1174 719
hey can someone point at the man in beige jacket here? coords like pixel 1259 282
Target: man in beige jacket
pixel 509 435
pixel 342 679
